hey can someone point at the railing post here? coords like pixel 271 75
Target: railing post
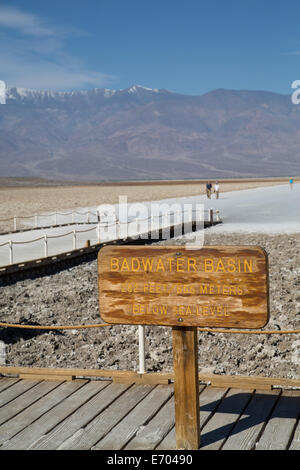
pixel 72 217
pixel 88 217
pixel 74 239
pixel 151 223
pixel 11 259
pixel 15 223
pixel 36 220
pixel 45 246
pixel 141 349
pixel 211 216
pixel 55 218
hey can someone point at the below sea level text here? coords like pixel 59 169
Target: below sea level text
pixel 182 310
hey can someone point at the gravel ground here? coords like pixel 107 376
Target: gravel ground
pixel 71 298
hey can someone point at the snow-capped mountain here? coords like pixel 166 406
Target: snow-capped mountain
pixel 142 132
pixel 14 93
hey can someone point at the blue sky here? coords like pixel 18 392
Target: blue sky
pixel 189 47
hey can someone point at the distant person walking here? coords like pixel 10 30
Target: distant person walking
pixel 217 189
pixel 291 181
pixel 208 190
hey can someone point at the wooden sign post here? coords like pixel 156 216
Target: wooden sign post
pixel 215 286
pixel 186 387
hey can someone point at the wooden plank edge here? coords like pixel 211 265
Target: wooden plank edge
pixel 48 377
pixel 214 380
pixel 248 382
pixel 115 375
pixel 143 379
pixel 48 260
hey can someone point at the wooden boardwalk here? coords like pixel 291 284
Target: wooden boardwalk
pixel 102 414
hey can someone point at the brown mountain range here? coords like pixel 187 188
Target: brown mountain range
pixel 142 133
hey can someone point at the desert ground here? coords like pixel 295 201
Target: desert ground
pixel 36 199
pixel 70 297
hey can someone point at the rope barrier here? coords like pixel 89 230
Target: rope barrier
pixel 27 241
pixel 79 213
pixel 68 233
pixel 53 327
pixel 107 224
pixel 25 216
pixel 74 232
pixel 87 230
pixel 48 215
pixel 62 235
pixel 97 325
pixel 249 332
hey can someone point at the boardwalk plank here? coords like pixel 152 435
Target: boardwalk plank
pixel 245 434
pixel 219 426
pixel 22 401
pixel 210 398
pixel 103 415
pixel 15 390
pixel 118 437
pixel 38 408
pixel 81 416
pixel 149 436
pixel 277 433
pixel 86 437
pixel 295 444
pixel 54 416
pixel 6 382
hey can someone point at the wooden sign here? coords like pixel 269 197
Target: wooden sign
pixel 215 286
